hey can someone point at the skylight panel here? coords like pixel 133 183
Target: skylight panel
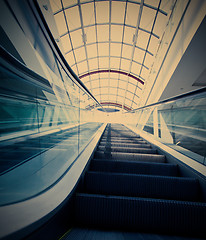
pixel 88 14
pixel 153 3
pixel 70 58
pixel 114 63
pixel 80 54
pixel 148 60
pixel 76 38
pixel 142 39
pixel 68 3
pixel 61 24
pixel 115 49
pixel 138 55
pixel 116 33
pixel 122 84
pixel 147 18
pixel 66 44
pixel 129 35
pixel 153 45
pixel 127 51
pixel 135 68
pixel 83 67
pixel 103 33
pixel 55 5
pixel 118 12
pixel 125 65
pixel 91 50
pixel 73 18
pixel 103 63
pixel 132 14
pixel 160 24
pixel 103 49
pixel 102 12
pixel 95 84
pixel 93 64
pixel 90 34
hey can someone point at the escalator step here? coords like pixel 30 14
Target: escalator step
pixel 140 214
pixel 134 167
pixel 123 184
pixel 130 156
pixel 129 145
pixel 127 149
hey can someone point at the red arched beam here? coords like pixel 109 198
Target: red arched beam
pixel 112 71
pixel 110 104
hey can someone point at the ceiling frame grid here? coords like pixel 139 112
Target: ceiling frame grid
pixel 134 41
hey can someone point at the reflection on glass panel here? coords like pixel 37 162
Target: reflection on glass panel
pixel 144 73
pixel 73 19
pixel 166 5
pixel 88 10
pixel 148 60
pixel 132 14
pixel 61 24
pixel 147 18
pixel 102 16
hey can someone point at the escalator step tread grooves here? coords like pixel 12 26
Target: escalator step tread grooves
pixel 129 186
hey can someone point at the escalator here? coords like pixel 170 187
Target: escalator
pixel 130 191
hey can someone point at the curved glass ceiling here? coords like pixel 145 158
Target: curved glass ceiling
pixel 111 45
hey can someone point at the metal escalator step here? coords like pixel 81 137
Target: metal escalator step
pixel 163 169
pixel 139 185
pixel 129 145
pixel 140 214
pixel 141 157
pixel 127 149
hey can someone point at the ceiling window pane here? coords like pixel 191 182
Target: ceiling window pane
pixel 90 34
pixel 136 99
pixel 121 92
pixel 114 63
pixel 80 54
pixel 133 81
pixel 92 51
pixel 104 98
pixel 66 44
pixel 131 87
pixel 138 55
pixel 61 24
pixel 103 33
pixel 76 38
pixel 103 75
pixel 147 18
pixel 128 102
pixel 68 3
pixel 122 84
pixel 112 98
pixel 127 51
pixel 128 35
pixel 115 49
pixel 160 24
pixel 116 33
pixel 148 60
pixel 88 13
pixel 74 68
pixel 135 68
pixel 70 58
pixel 113 82
pixel 95 84
pixel 132 14
pixel 103 63
pixel 96 91
pixel 73 19
pixel 119 98
pixel 114 75
pixel 104 90
pixel 93 64
pixel 85 79
pixel 125 65
pixel 102 12
pixel 103 49
pixel 144 73
pixel 118 12
pixel 142 39
pixel 129 95
pixel 83 67
pixel 166 5
pixel 153 45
